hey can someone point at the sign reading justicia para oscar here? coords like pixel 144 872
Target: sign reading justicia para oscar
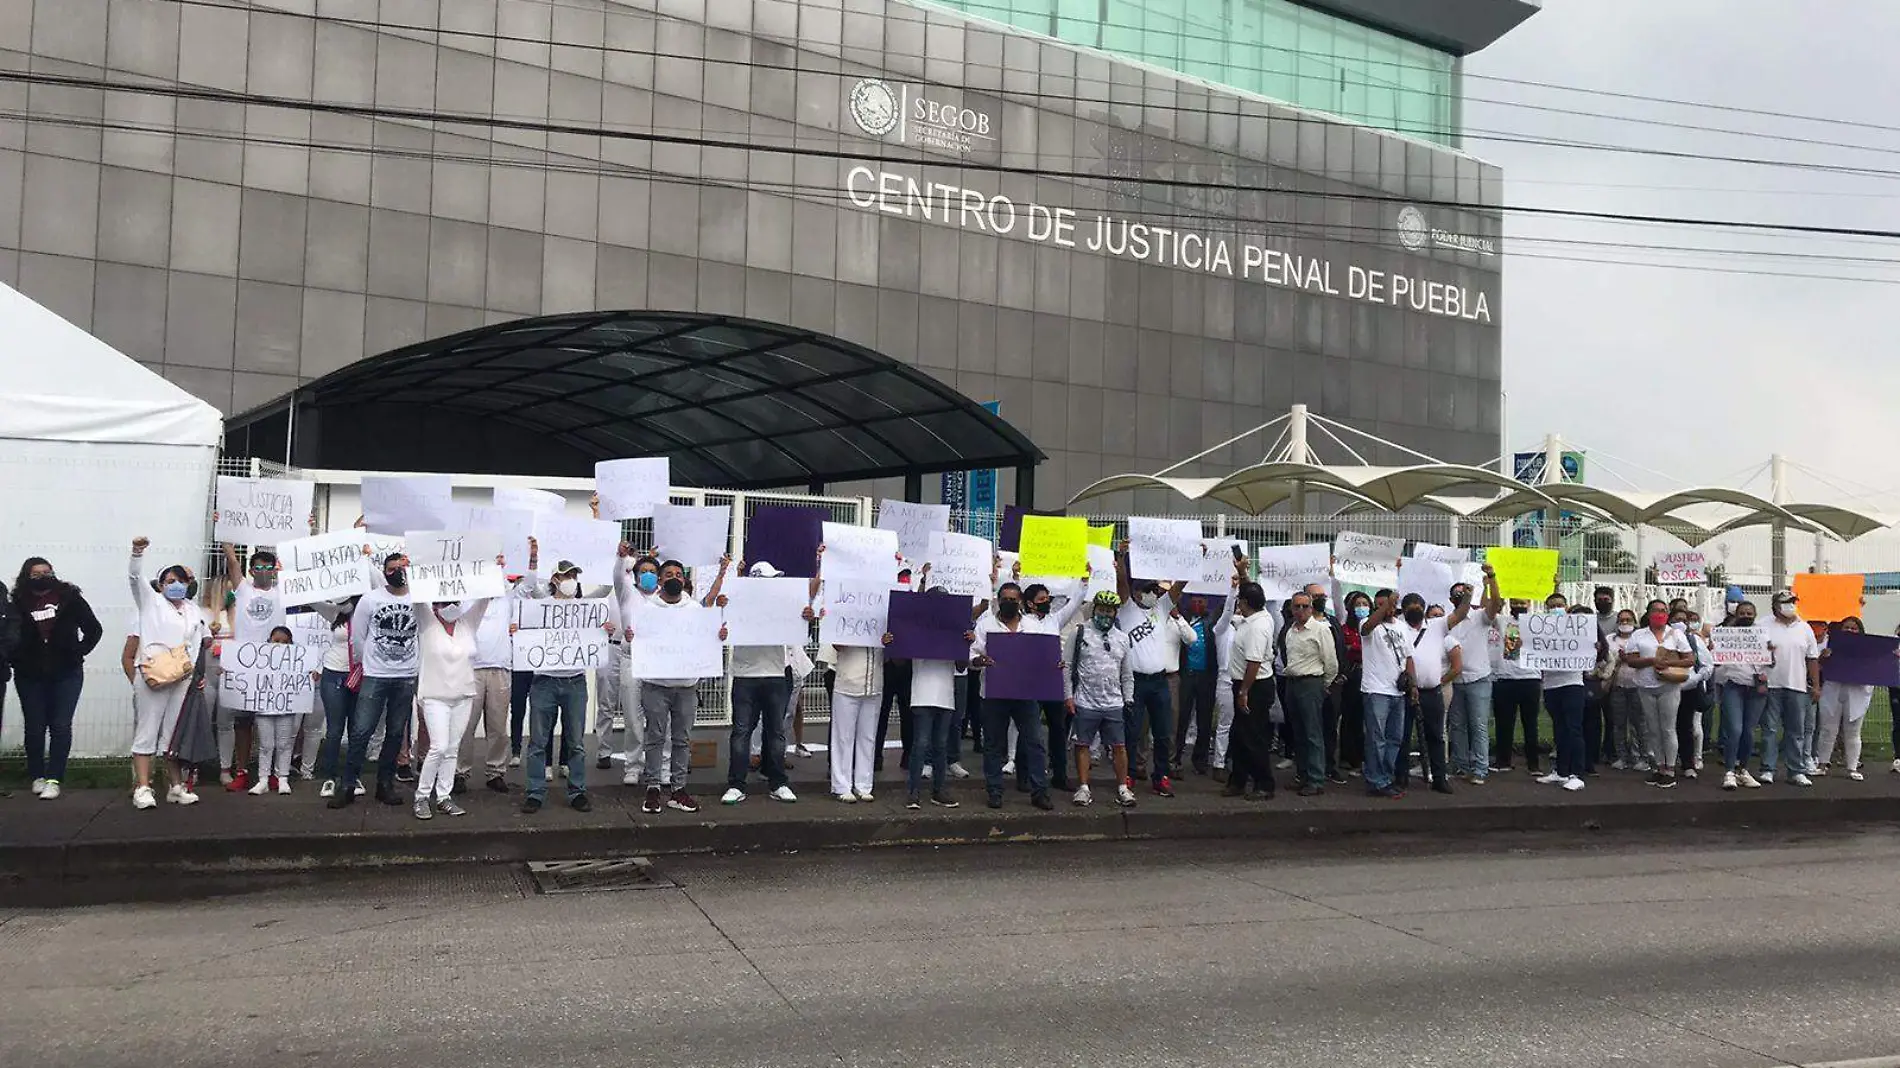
pixel 1185 249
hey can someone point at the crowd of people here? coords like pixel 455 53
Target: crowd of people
pixel 1158 683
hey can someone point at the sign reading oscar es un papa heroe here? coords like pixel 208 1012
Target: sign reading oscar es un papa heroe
pixel 970 209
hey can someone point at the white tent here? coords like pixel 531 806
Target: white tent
pixel 95 450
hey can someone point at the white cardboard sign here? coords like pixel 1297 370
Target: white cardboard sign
pixel 1558 641
pixel 1164 549
pixel 395 504
pixel 328 567
pixel 453 566
pixel 913 524
pixel 559 634
pixel 855 614
pixel 692 532
pixel 631 489
pixel 262 511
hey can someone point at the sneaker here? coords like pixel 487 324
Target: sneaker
pixel 342 799
pixel 1663 782
pixel 423 809
pixel 605 763
pixel 327 790
pixel 1553 779
pixel 1689 773
pixel 1767 778
pixel 1801 780
pixel 1164 788
pixel 1655 777
pixel 498 784
pixel 358 791
pixel 580 803
pixel 1340 780
pixel 1854 775
pixel 802 750
pixel 1309 790
pixel 1573 784
pixel 283 787
pixel 237 782
pixel 225 776
pixel 957 771
pixel 172 793
pixel 51 791
pixel 866 796
pixel 655 802
pixel 632 776
pixel 785 794
pixel 1748 781
pixel 1728 781
pixel 914 802
pixel 407 773
pixel 1009 767
pixel 1619 765
pixel 142 798
pixel 1475 779
pixel 681 801
pixel 732 796
pixel 845 798
pixel 1282 764
pixel 1125 796
pixel 1041 801
pixel 514 761
pixel 38 785
pixel 262 786
pixel 530 806
pixel 186 797
pixel 1084 796
pixel 943 800
pixel 448 807
pixel 459 785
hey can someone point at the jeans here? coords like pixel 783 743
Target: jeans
pixel 1149 716
pixel 1515 702
pixel 758 704
pixel 1566 722
pixel 1783 717
pixel 1431 722
pixel 667 749
pixel 554 699
pixel 1742 706
pixel 998 716
pixel 339 707
pixel 1250 740
pixel 1197 708
pixel 1305 699
pixel 931 738
pixel 1385 735
pixel 967 699
pixel 47 705
pixel 391 701
pixel 1471 728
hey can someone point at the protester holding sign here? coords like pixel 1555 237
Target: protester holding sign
pixel 1843 708
pixel 1001 713
pixel 1661 658
pixel 1250 672
pixel 256 609
pixel 671 705
pixel 1469 718
pixel 383 641
pixel 761 692
pixel 1742 687
pixel 494 690
pixel 1156 633
pixel 58 630
pixel 276 726
pixel 1563 686
pixel 1103 680
pixel 559 691
pixel 933 703
pixel 447 636
pixel 1794 682
pixel 1435 655
pixel 170 629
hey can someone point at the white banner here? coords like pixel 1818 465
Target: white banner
pixel 513 526
pixel 1217 566
pixel 688 532
pixel 557 634
pixel 1454 558
pixel 961 563
pixel 631 489
pixel 591 544
pixel 1367 559
pixel 266 679
pixel 762 611
pixel 328 567
pixel 262 511
pixel 913 524
pixel 1164 549
pixel 395 504
pixel 1429 579
pixel 1102 570
pixel 524 499
pixel 855 614
pixel 453 565
pixel 1288 569
pixel 311 631
pixel 1740 645
pixel 1558 641
pixel 860 554
pixel 1688 568
pixel 678 643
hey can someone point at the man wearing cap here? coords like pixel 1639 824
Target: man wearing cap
pixel 559 694
pixel 760 691
pixel 1794 683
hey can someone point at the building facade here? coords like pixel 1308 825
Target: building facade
pixel 1116 238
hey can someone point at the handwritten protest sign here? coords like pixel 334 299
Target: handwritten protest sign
pixel 1558 641
pixel 513 526
pixel 592 544
pixel 631 489
pixel 1688 568
pixel 1055 545
pixel 1102 536
pixel 556 634
pixel 762 611
pixel 1740 645
pixel 525 499
pixel 913 524
pixel 266 679
pixel 1367 559
pixel 693 532
pixel 1216 574
pixel 960 563
pixel 1450 556
pixel 1429 579
pixel 1523 574
pixel 1164 549
pixel 453 566
pixel 677 642
pixel 859 554
pixel 311 631
pixel 395 504
pixel 1101 570
pixel 262 511
pixel 855 614
pixel 1829 598
pixel 1288 569
pixel 328 567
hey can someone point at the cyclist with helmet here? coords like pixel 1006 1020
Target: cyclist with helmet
pixel 1102 677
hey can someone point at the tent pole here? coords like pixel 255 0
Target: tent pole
pixel 290 429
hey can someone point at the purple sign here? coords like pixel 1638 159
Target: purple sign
pixel 1026 667
pixel 1861 659
pixel 1010 537
pixel 787 537
pixel 929 626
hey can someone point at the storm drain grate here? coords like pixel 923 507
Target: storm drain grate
pixel 596 876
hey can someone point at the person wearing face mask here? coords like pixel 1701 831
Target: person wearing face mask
pixel 276 737
pixel 1000 714
pixel 857 695
pixel 383 640
pixel 1605 600
pixel 933 702
pixel 636 582
pixel 1039 602
pixel 1352 724
pixel 255 608
pixel 57 629
pixel 1843 708
pixel 1250 669
pixel 1156 633
pixel 1661 659
pixel 1195 711
pixel 668 706
pixel 1695 695
pixel 447 640
pixel 1626 707
pixel 558 695
pixel 1470 712
pixel 494 690
pixel 1563 697
pixel 1794 681
pixel 1387 669
pixel 1743 692
pixel 1436 655
pixel 1103 680
pixel 171 631
pixel 1516 691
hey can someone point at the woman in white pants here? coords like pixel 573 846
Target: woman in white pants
pixel 445 689
pixel 857 697
pixel 170 625
pixel 1843 710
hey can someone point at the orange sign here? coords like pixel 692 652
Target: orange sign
pixel 1829 598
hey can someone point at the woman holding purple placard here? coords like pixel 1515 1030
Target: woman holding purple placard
pixel 1843 709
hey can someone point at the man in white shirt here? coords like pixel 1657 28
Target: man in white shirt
pixel 558 695
pixel 1312 664
pixel 761 691
pixel 1435 656
pixel 383 631
pixel 670 705
pixel 1470 712
pixel 1794 683
pixel 1250 669
pixel 1385 662
pixel 1156 633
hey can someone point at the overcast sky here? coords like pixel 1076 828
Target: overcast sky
pixel 1695 373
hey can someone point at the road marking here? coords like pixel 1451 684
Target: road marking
pixel 1864 1062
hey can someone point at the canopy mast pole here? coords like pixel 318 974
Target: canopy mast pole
pixel 1778 530
pixel 1298 453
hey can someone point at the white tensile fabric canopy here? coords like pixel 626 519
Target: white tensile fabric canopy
pixel 1259 488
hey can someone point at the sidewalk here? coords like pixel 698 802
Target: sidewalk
pixel 96 834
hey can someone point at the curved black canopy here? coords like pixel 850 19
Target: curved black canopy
pixel 732 402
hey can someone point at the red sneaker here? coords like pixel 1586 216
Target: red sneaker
pixel 1164 788
pixel 240 782
pixel 681 801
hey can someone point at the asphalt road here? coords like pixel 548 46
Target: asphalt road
pixel 1737 952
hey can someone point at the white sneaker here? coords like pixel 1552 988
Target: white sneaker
pixel 1552 779
pixel 185 797
pixel 784 793
pixel 51 792
pixel 1748 781
pixel 1125 796
pixel 1896 767
pixel 142 798
pixel 261 788
pixel 845 798
pixel 172 793
pixel 514 761
pixel 1619 765
pixel 1573 784
pixel 1689 773
pixel 225 777
pixel 360 791
pixel 732 796
pixel 1767 778
pixel 1084 797
pixel 1009 767
pixel 1854 775
pixel 866 796
pixel 38 785
pixel 1728 781
pixel 328 789
pixel 283 786
pixel 1801 780
pixel 957 771
pixel 802 750
pixel 631 777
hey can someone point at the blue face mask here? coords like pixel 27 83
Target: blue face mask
pixel 176 591
pixel 648 582
pixel 1361 612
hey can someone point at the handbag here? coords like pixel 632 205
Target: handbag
pixel 354 680
pixel 165 666
pixel 1672 676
